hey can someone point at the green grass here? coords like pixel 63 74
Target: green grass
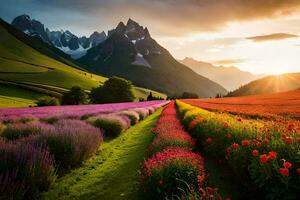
pixel 113 173
pixel 11 96
pixel 21 63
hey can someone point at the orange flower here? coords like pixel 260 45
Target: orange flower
pixel 264 158
pixel 284 171
pixel 255 152
pixel 272 155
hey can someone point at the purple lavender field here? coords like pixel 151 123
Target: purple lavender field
pixel 39 144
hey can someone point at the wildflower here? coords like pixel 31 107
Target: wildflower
pixel 245 143
pixel 288 140
pixel 258 137
pixel 228 150
pixel 287 165
pixel 225 125
pixel 208 140
pixel 258 144
pixel 229 136
pixel 284 171
pixel 235 145
pixel 266 141
pixel 272 155
pixel 192 124
pixel 264 158
pixel 255 152
pixel 201 179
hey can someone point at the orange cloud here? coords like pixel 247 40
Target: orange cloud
pixel 228 61
pixel 274 36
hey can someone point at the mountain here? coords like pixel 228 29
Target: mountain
pixel 64 40
pixel 131 52
pixel 28 69
pixel 229 77
pixel 270 84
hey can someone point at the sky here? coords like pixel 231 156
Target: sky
pixel 257 36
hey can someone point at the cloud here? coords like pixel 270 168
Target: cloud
pixel 177 17
pixel 164 17
pixel 228 61
pixel 274 36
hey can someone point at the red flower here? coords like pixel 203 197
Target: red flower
pixel 258 144
pixel 239 119
pixel 284 171
pixel 208 140
pixel 298 139
pixel 228 150
pixel 264 158
pixel 255 152
pixel 266 141
pixel 245 143
pixel 235 145
pixel 298 170
pixel 287 165
pixel 192 124
pixel 272 155
pixel 258 137
pixel 229 136
pixel 225 125
pixel 288 140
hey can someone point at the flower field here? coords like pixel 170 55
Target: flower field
pixel 277 105
pixel 173 169
pixel 39 144
pixel 262 153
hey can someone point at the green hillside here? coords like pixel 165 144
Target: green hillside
pixel 26 68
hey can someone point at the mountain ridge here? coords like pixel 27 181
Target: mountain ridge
pixel 64 40
pixel 131 52
pixel 269 84
pixel 220 74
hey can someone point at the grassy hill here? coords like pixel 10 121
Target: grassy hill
pixel 270 84
pixel 24 67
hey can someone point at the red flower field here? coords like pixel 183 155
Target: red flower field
pixel 277 105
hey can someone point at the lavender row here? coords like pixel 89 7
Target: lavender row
pixel 12 114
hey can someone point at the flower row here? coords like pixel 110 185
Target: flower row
pixel 172 168
pixel 263 154
pixel 34 152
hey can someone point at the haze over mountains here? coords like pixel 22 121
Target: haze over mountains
pixel 269 84
pixel 64 40
pixel 229 77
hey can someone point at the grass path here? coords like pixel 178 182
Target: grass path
pixel 112 173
